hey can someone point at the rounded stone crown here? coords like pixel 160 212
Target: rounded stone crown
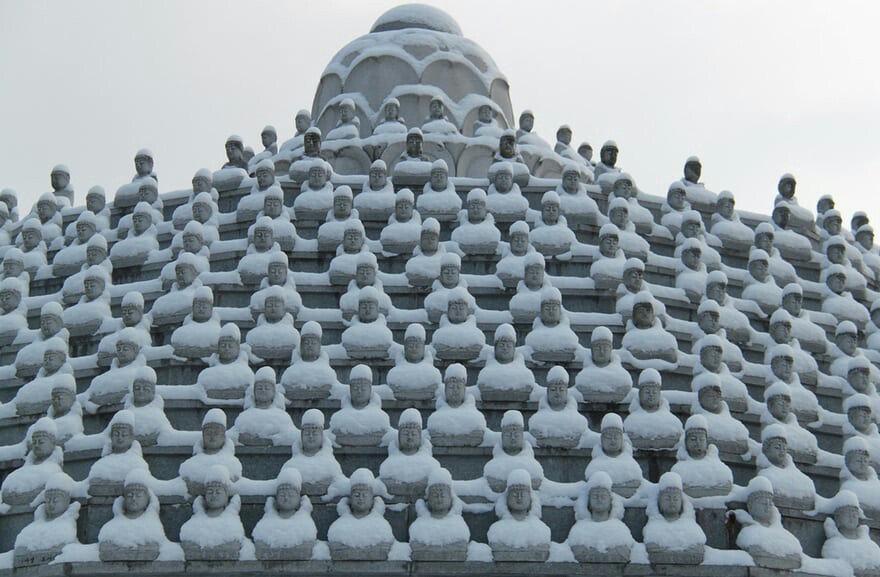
pixel 413 53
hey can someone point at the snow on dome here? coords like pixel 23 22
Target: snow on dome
pixel 230 330
pixel 519 477
pixel 123 417
pixel 607 229
pixel 215 417
pixel 710 306
pixel 431 224
pixel 456 371
pixel 511 418
pixel 289 476
pixel 782 350
pixel 138 477
pixel 265 374
pixel 361 373
pixel 521 226
pixel 855 444
pixel 343 191
pixel 416 16
pixel 557 373
pixel 792 289
pixel 857 400
pixel 759 484
pixel 362 476
pixel 774 431
pixel 846 328
pixel 550 197
pixel 43 425
pixel 777 389
pixel 410 416
pixel 696 422
pixel 60 482
pixel 415 331
pixel 612 421
pixel 439 476
pixel 313 417
pixel 505 331
pixel 144 152
pixel 311 328
pixel 218 474
pixel 670 480
pixel 405 194
pixel 476 194
pixel 600 334
pixel 649 376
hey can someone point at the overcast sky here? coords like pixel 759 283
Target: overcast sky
pixel 754 88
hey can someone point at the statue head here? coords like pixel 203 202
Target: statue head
pixel 634 275
pixel 391 109
pixel 59 177
pixel 312 142
pixel 711 353
pixel 865 236
pixel 264 388
pixel 623 186
pixel 229 343
pixel 63 397
pixel 709 317
pixel 778 398
pixel 202 181
pixel 436 108
pixel 450 270
pixel 121 431
pixel 368 305
pixel 611 436
pixel 439 175
pixel 148 191
pixel 649 390
pixel 782 362
pixel 96 250
pixel 214 431
pixel 318 175
pixel 585 150
pixel 780 326
pixel 793 299
pixel 643 310
pixel 512 438
pixel 601 346
pixel 693 168
pixel 310 341
pixel 42 439
pixel 691 224
pixel 847 514
pixel 217 489
pixel 534 271
pixel 403 205
pixel 676 196
pixel 551 306
pixel 696 436
pixel 507 144
pixel 557 388
pixel 859 412
pixel 414 143
pixel 608 153
pixel 859 374
pixel 268 136
pixel 143 162
pixel 353 236
pixel 835 250
pixel 288 492
pixel 571 179
pixel 618 213
pixel 409 432
pixel 429 238
pixel 361 494
pixel 312 432
pixel 56 495
pixel 846 337
pixel 725 205
pixel 835 279
pixel 360 386
pixel 476 205
pixel 274 306
pixel 414 343
pixel 518 238
pixel 143 387
pixel 857 458
pixel 94 283
pixel 781 216
pixel 455 385
pixel 378 176
pixel 691 255
pixel 342 202
pixel 825 203
pixel 51 320
pixel 85 227
pixel 760 500
pixel 13 263
pixel 786 186
pixel 141 218
pixel 485 114
pixel 202 304
pixel 135 493
pixel 774 445
pixel 234 149
pixel 439 493
pixel 563 134
pixel 503 177
pixel 526 121
pixel 764 237
pixel 263 234
pixel 709 395
pixel 759 265
pixel 302 121
pixel 276 272
pixel 10 295
pixel 31 234
pixel 365 273
pixel 505 343
pixel 202 210
pixel 54 355
pixel 599 496
pixel 609 240
pixel 550 207
pixel 127 348
pixel 457 309
pixel 519 493
pixel 265 173
pixel 670 499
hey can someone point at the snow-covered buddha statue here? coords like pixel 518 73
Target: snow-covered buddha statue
pixel 510 269
pixel 763 536
pixel 804 403
pixel 49 217
pixel 275 336
pixel 702 472
pixel 13 310
pixel 725 432
pixel 148 408
pixel 228 373
pixel 13 267
pixel 71 258
pixel 413 376
pixel 709 323
pixel 309 375
pixel 509 152
pixel 458 338
pixel 857 475
pixel 802 443
pixel 456 421
pixel 53 526
pixel 811 336
pixel 308 148
pixel 198 335
pixel 402 233
pixel 504 200
pixel 838 301
pixel 476 233
pixel 847 539
pixel 96 254
pixel 277 274
pixel 557 423
pixel 253 202
pixel 412 163
pixel 603 378
pixel 29 358
pixel 624 187
pixel 261 246
pixel 273 207
pixel 576 205
pixel 631 243
pixel 692 228
pixel 613 454
pixel 32 247
pixel 140 242
pixel 439 199
pixel 191 241
pixel 135 533
pixel 759 285
pixel 368 337
pixel 315 198
pixel 171 307
pixel 599 534
pixel 439 532
pixel 331 231
pixel 423 267
pixel 343 267
pixel 87 316
pixel 109 388
pixel 375 201
pixel 392 122
pixel 360 532
pixel 650 424
pixel 519 534
pixel 727 226
pixel 365 275
pixel 348 125
pixel 512 450
pixel 214 532
pixel 436 122
pixel 672 534
pixel 674 207
pixel 313 455
pixel 35 396
pixel 781 334
pixel 710 352
pixel 606 270
pixel 690 271
pixel 631 284
pixel 860 423
pixel 505 376
pixel 264 422
pixel 360 420
pixel 551 338
pixel 552 236
pixel 792 489
pixel 120 454
pixel 780 269
pixel 846 349
pixel 214 447
pixel 409 464
pixel 645 338
pixel 43 459
pixel 286 532
pixel 525 305
pixel 65 410
pixel 437 301
pixel 202 181
pixel 486 124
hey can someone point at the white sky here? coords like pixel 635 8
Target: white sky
pixel 754 88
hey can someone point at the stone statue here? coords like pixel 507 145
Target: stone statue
pixel 235 153
pixel 214 449
pixel 402 233
pixel 439 199
pixel 458 338
pixel 436 122
pixel 552 235
pixel 476 233
pixel 53 526
pixel 504 200
pixel 645 337
pixel 702 472
pixel 392 122
pixel 650 424
pixel 763 536
pixel 135 533
pixel 672 534
pixel 613 454
pixel 264 422
pixel 409 464
pixel 848 539
pixel 512 451
pixel 726 432
pixel 606 270
pixel 313 455
pixel 439 532
pixel 802 444
pixel 368 336
pixel 413 162
pixel 551 338
pixel 275 336
pixel 309 375
pixel 599 534
pixel 316 194
pixel 505 376
pixel 603 378
pixel 376 199
pixel 42 460
pixel 456 421
pixel 361 533
pixel 857 475
pixel 197 336
pixel 576 205
pixel 215 532
pixel 121 454
pixel 791 488
pixel 360 421
pixel 286 532
pixel 330 233
pixel 228 374
pixel 519 534
pixel 710 350
pixel 413 376
pixel 557 423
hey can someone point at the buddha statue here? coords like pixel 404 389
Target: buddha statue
pixel 552 236
pixel 512 450
pixel 439 199
pixel 278 274
pixel 603 378
pixel 607 163
pixel 13 267
pixel 557 423
pixel 519 534
pixel 302 122
pixel 525 305
pixel 804 404
pixel 53 526
pixel 141 242
pixel 264 422
pixel 511 268
pixel 213 449
pixel 458 338
pixel 672 534
pixel 43 459
pixel 87 316
pixel 361 533
pixel 47 213
pixel 315 198
pixel 275 335
pixel 437 122
pixel 780 269
pixel 147 192
pixel 348 125
pixel 690 272
pixel 413 376
pixel 423 267
pixel 376 198
pixel 792 489
pixel 109 388
pixel 402 233
pixel 273 207
pixel 33 247
pixel 599 534
pixel 551 338
pixel 486 123
pixel 763 536
pixel 456 421
pixel 197 336
pixel 215 532
pixel 269 140
pixel 504 200
pixel 859 476
pixel 235 153
pixel 312 455
pixel 802 444
pixel 62 189
pixel 249 205
pixel 505 376
pixel 727 226
pixel 759 285
pixel 508 152
pixel 95 254
pixel 135 533
pixel 810 335
pixel 645 338
pixel 847 539
pixel 286 532
pixel 725 432
pixel 476 233
pixel 674 208
pixel 439 532
pixel 650 424
pixel 413 163
pixel 692 230
pixel 838 301
pixel 859 410
pixel 781 334
pixel 303 158
pixel 29 358
pixel 309 375
pixel 35 396
pixel 202 181
pixel 575 204
pixel 710 353
pixel 585 150
pixel 702 472
pixel 368 336
pixel 331 231
pixel 409 464
pixel 631 243
pixel 697 193
pixel 392 122
pixel 343 267
pixel 613 454
pixel 65 410
pixel 13 310
pixel 9 197
pixel 253 266
pixel 360 421
pixel 151 425
pixel 71 258
pixel 606 270
pixel 228 374
pixel 120 454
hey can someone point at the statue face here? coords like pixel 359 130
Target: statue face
pixel 457 311
pixel 312 144
pixel 317 177
pixel 84 232
pixel 126 352
pixel 95 255
pixel 709 322
pixel 835 254
pixel 391 112
pixel 792 303
pixel 148 194
pixel 268 138
pixel 360 391
pixel 691 258
pixel 12 267
pixel 200 184
pixel 42 445
pixel 449 276
pixel 512 439
pixel 649 396
pixel 9 300
pixel 725 208
pixel 764 241
pixel 608 156
pixel 454 390
pixel 273 309
pixel 526 122
pixel 342 207
pixel 50 325
pixel 62 401
pixel 782 367
pixel 201 212
pixel 360 500
pixel 781 216
pixel 143 165
pixel 277 274
pixel 368 310
pixel 859 418
pixel 760 506
pixel 140 222
pixel 121 437
pixel 847 342
pixel 696 442
pixel 836 283
pixel 633 279
pixel 760 269
pixel 623 188
pixel 202 309
pixel 414 145
pixel 234 152
pixel 476 211
pixel 409 438
pixel 505 349
pixel 599 502
pixel 600 352
pixel 507 146
pixel 30 239
pixel 93 287
pixel 302 123
pixel 775 450
pixel 643 315
pixel 571 182
pixel 53 360
pixel 557 395
pixel 832 225
pixel 586 151
pixel 439 499
pixel 503 181
pixel 228 349
pixel 534 277
pixel 142 392
pixel 310 348
pixel 216 496
pixel 692 171
pixel 824 205
pixel 858 463
pixel 378 178
pixel 691 228
pixel 436 109
pixel 312 439
pixel 550 212
pixel 519 243
pixel 135 499
pixel 213 437
pixel 710 399
pixel 59 180
pixel 414 349
pixel 551 312
pixel 866 239
pixel 352 241
pixel 264 238
pixel 786 188
pixel 859 379
pixel 439 179
pixel 56 502
pixel 670 502
pixel 264 393
pixel 781 332
pixel 847 519
pixel 780 407
pixel 287 499
pixel 485 113
pixel 710 358
pixel 429 242
pixel 519 499
pixel 675 198
pixel 272 207
pixel 608 245
pixel 619 216
pixel 612 441
pixel 564 136
pixel 403 210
